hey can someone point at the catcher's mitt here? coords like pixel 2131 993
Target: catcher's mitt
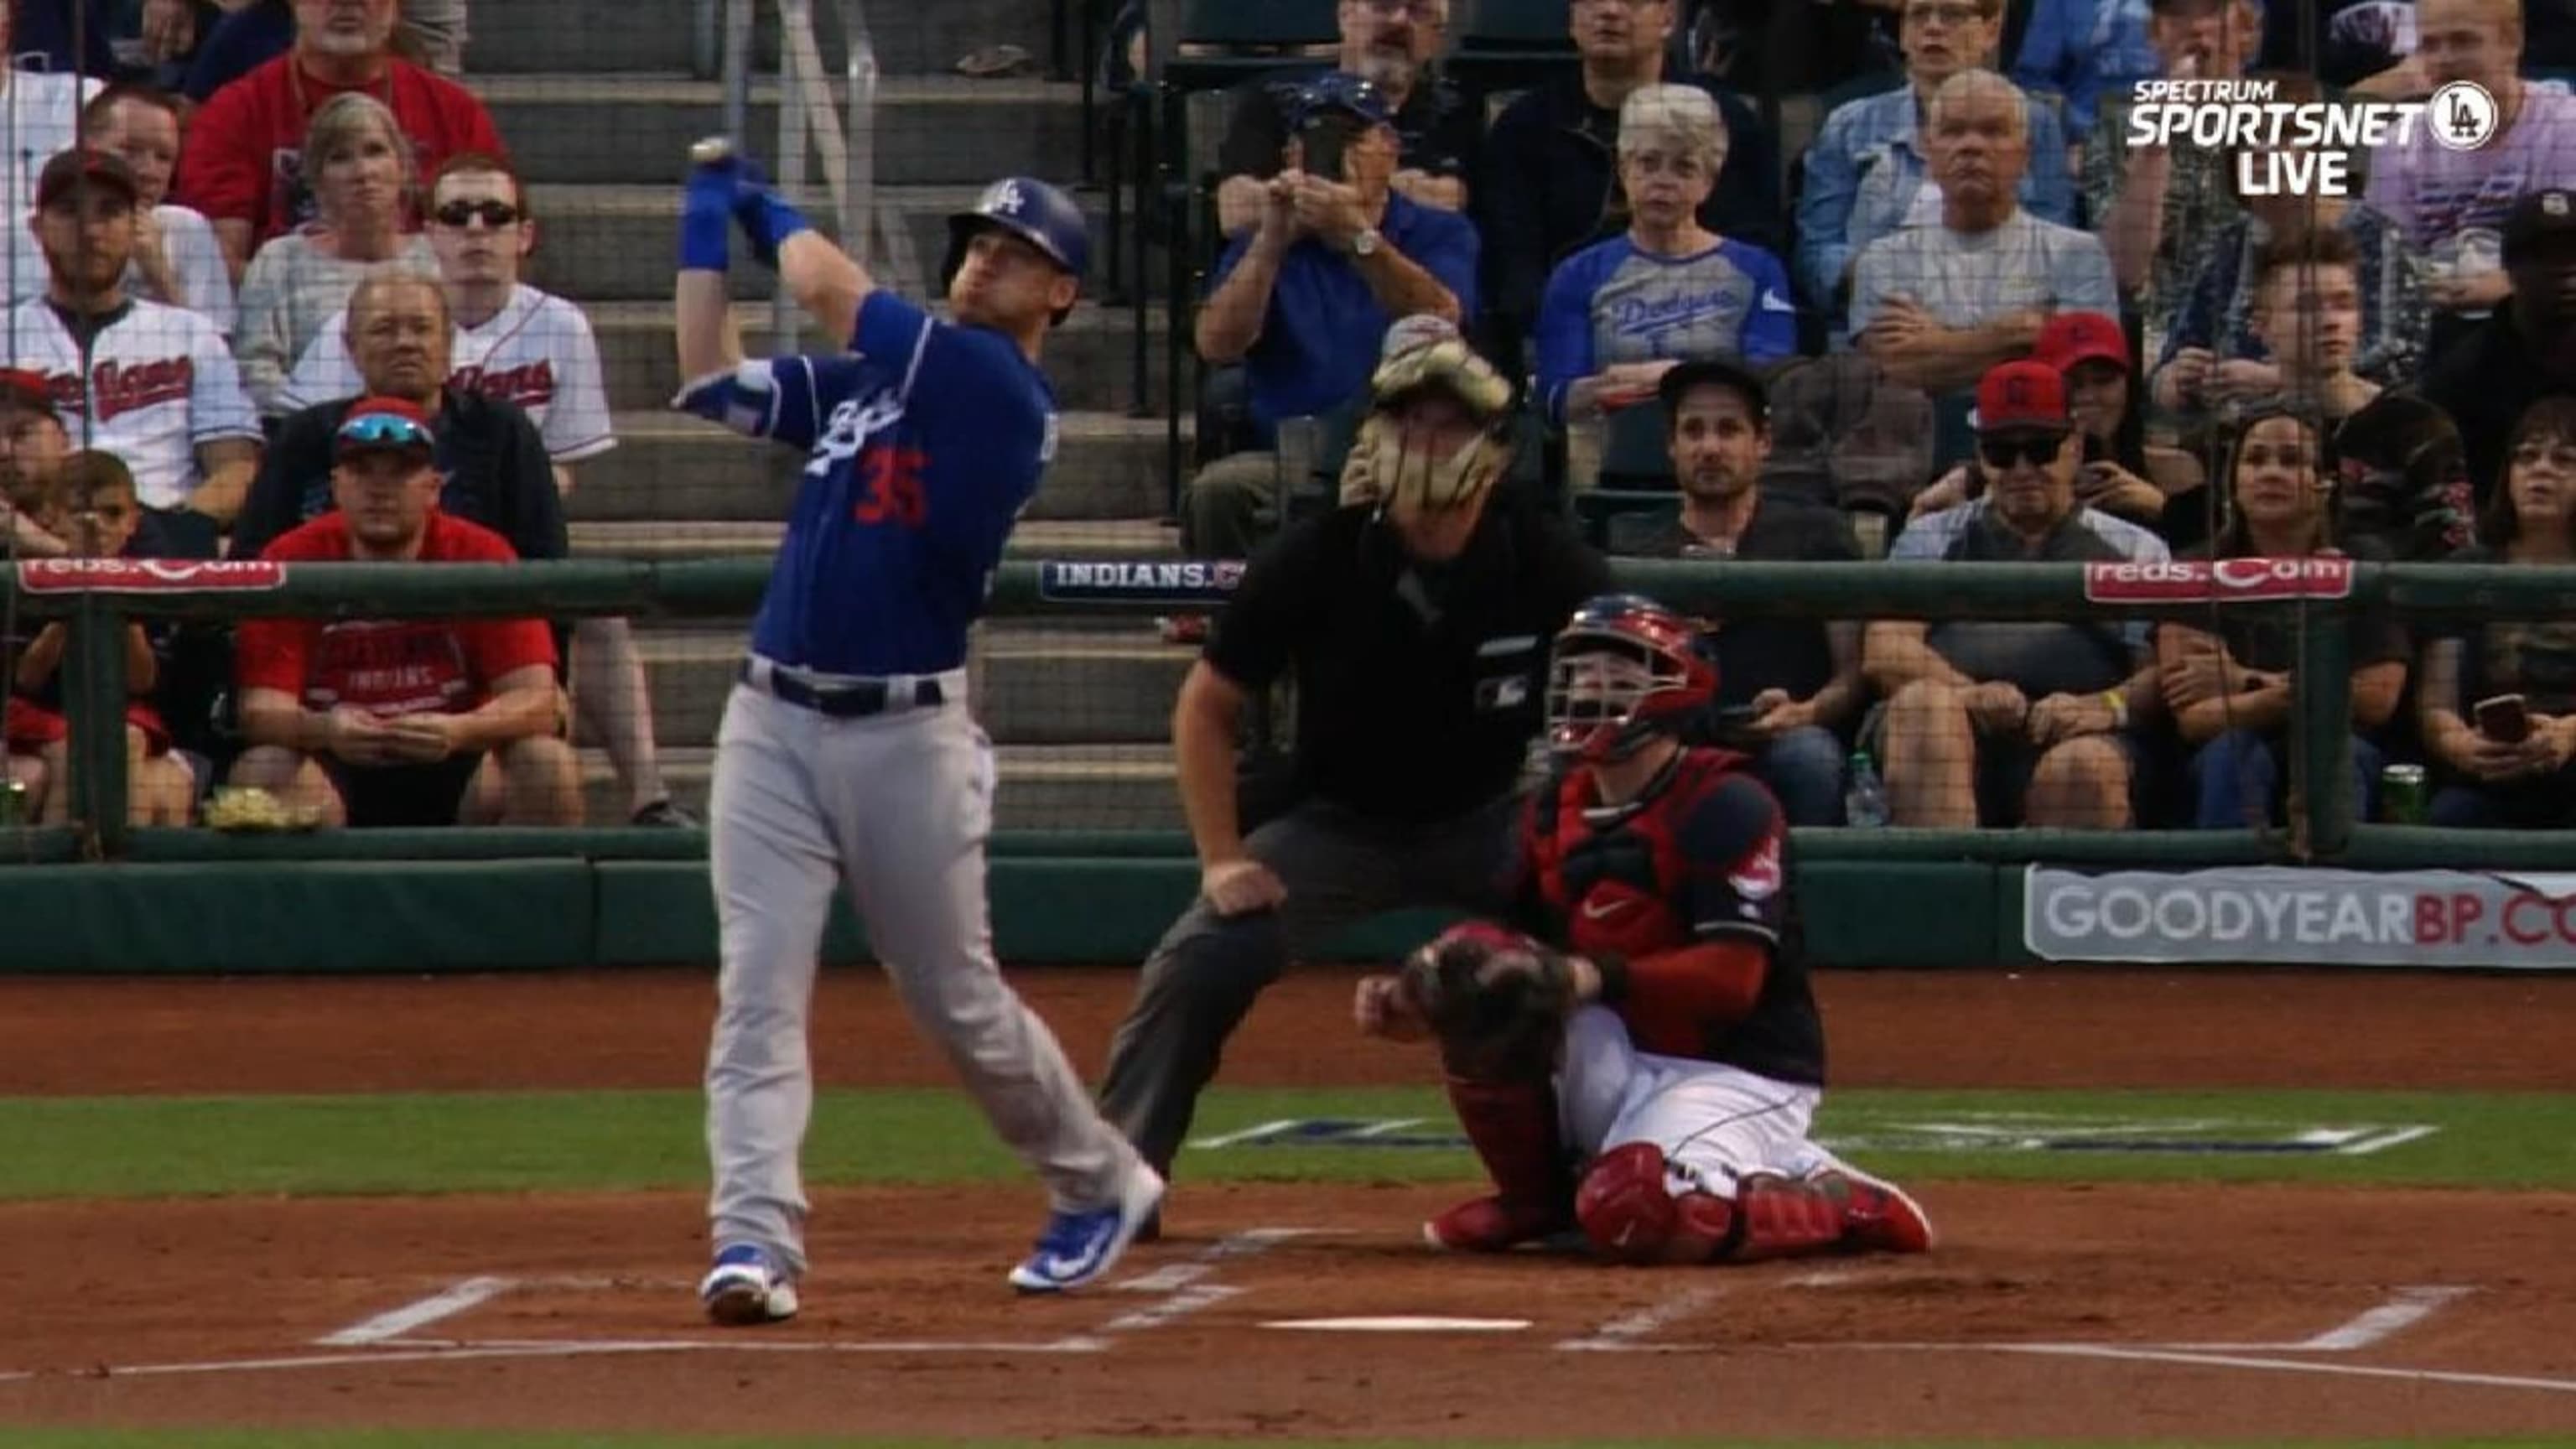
pixel 1496 999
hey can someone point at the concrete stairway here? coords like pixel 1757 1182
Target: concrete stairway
pixel 598 104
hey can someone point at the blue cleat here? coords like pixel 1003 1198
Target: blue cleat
pixel 1081 1247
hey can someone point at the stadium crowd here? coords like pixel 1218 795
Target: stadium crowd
pixel 266 302
pixel 1966 321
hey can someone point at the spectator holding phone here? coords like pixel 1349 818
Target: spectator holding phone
pixel 2232 691
pixel 1304 300
pixel 2498 702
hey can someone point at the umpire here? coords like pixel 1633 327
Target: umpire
pixel 1416 620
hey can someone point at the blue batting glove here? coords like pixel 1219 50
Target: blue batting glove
pixel 767 218
pixel 706 217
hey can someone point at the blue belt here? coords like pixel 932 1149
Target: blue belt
pixel 844 701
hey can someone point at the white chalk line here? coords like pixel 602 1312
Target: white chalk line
pixel 2405 1308
pixel 1626 1331
pixel 750 1344
pixel 2269 1364
pixel 394 1323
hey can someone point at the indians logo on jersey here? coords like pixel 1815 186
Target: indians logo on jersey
pixel 531 388
pixel 1757 876
pixel 117 388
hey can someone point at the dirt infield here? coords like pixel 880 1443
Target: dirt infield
pixel 2169 1311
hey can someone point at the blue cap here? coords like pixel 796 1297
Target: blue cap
pixel 1345 92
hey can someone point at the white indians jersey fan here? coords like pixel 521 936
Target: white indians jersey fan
pixel 157 383
pixel 536 352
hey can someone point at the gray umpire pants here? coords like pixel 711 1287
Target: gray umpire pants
pixel 1339 868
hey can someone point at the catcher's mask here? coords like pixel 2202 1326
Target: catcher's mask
pixel 1623 671
pixel 1395 471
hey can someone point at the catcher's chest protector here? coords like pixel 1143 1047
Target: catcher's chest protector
pixel 1618 886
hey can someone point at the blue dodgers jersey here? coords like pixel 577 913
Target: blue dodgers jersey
pixel 927 441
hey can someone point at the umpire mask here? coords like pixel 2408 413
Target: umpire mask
pixel 1398 471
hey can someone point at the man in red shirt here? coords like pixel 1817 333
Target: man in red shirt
pixel 383 722
pixel 243 166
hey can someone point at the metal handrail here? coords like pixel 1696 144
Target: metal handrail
pixel 809 131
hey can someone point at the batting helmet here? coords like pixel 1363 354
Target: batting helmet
pixel 1624 669
pixel 1031 210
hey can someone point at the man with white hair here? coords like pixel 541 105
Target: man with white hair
pixel 1938 305
pixel 1617 314
pixel 1391 44
pixel 1867 169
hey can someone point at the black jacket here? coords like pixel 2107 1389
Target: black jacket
pixel 2485 380
pixel 490 456
pixel 1549 174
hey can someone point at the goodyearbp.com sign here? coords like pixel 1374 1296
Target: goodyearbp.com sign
pixel 2300 148
pixel 2291 916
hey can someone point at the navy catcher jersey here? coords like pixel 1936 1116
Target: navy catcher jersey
pixel 927 441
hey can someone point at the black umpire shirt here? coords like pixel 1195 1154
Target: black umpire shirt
pixel 491 461
pixel 1419 687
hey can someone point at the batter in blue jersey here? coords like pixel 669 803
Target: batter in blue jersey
pixel 847 755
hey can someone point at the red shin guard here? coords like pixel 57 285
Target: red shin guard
pixel 1513 1128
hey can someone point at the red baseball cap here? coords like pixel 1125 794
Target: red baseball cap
pixel 2073 337
pixel 384 424
pixel 27 388
pixel 2025 396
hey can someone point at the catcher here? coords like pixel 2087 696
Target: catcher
pixel 1676 1049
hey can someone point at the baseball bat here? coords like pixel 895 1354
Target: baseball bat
pixel 711 150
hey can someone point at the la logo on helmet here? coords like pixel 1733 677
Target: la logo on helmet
pixel 1007 198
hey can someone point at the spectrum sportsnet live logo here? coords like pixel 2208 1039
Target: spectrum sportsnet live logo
pixel 2286 148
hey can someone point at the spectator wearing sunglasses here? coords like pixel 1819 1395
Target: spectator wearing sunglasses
pixel 2001 723
pixel 402 722
pixel 515 344
pixel 511 341
pixel 490 455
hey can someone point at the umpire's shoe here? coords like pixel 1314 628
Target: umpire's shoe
pixel 1081 1247
pixel 747 1286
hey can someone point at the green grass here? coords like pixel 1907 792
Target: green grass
pixel 165 1146
pixel 401 1439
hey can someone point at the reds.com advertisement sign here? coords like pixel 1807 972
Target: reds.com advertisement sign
pixel 146 575
pixel 2219 581
pixel 2292 916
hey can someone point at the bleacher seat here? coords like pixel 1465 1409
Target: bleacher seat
pixel 1226 41
pixel 1508 45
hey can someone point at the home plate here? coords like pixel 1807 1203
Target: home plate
pixel 1402 1323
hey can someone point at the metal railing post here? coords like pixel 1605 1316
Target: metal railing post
pixel 2324 801
pixel 795 45
pixel 736 66
pixel 94 690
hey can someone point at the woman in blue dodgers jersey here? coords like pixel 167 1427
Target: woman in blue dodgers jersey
pixel 846 751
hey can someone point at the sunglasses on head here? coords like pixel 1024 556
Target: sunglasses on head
pixel 2005 451
pixel 384 430
pixel 495 214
